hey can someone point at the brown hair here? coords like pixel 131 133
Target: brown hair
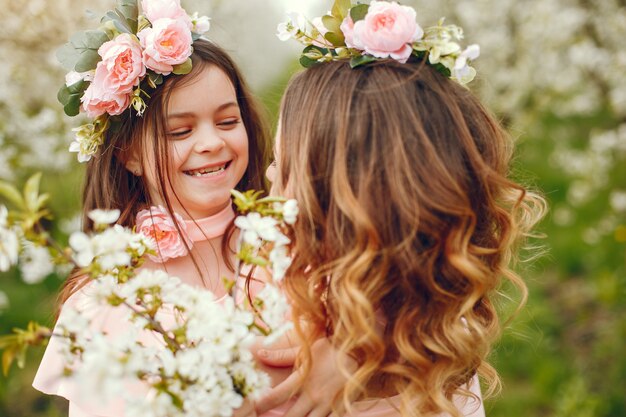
pixel 110 185
pixel 407 225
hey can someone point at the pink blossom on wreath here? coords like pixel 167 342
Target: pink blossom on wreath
pixel 123 59
pixel 99 98
pixel 347 28
pixel 388 30
pixel 166 44
pixel 157 224
pixel 165 9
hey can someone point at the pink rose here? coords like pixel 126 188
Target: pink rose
pixel 99 98
pixel 166 44
pixel 347 28
pixel 387 31
pixel 169 9
pixel 156 224
pixel 123 60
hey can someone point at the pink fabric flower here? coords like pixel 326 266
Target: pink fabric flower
pixel 166 44
pixel 347 28
pixel 157 224
pixel 99 98
pixel 123 60
pixel 168 9
pixel 387 31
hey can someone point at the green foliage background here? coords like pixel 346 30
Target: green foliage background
pixel 562 355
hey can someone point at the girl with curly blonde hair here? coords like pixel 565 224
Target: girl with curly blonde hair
pixel 408 226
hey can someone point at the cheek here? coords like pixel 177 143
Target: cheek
pixel 240 147
pixel 270 173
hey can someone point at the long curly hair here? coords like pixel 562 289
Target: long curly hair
pixel 408 226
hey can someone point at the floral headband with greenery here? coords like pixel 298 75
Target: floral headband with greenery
pixel 114 67
pixel 364 33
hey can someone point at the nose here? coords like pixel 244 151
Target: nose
pixel 208 139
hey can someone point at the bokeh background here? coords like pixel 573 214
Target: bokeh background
pixel 552 70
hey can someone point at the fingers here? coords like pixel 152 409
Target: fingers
pixel 246 409
pixel 279 358
pixel 301 408
pixel 279 394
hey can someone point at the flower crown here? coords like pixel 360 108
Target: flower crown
pixel 364 33
pixel 114 67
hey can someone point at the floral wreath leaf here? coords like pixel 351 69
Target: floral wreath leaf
pixel 70 97
pixel 81 52
pixel 119 21
pixel 361 60
pixel 336 38
pixel 341 8
pixel 359 12
pixel 130 10
pixel 195 36
pixel 184 68
pixel 332 23
pixel 311 54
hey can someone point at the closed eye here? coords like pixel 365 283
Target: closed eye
pixel 228 123
pixel 179 133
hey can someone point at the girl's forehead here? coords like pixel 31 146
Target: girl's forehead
pixel 209 90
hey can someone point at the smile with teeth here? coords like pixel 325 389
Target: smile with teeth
pixel 207 172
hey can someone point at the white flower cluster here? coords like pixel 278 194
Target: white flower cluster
pixel 257 230
pixel 206 363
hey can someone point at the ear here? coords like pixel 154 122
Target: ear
pixel 132 162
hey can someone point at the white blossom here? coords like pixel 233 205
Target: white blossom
pixel 104 217
pixel 9 242
pixel 290 211
pixel 201 24
pixel 256 227
pixel 35 263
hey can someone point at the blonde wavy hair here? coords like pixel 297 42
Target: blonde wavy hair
pixel 409 224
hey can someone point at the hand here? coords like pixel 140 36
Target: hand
pixel 246 409
pixel 314 395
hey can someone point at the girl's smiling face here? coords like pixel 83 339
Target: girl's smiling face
pixel 208 146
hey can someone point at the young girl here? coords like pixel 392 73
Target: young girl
pixel 200 136
pixel 408 222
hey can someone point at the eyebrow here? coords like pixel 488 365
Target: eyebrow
pixel 188 114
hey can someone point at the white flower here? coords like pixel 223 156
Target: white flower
pixel 4 216
pixel 9 247
pixel 73 77
pixel 290 211
pixel 255 227
pixel 286 30
pixel 35 263
pixel 280 262
pixel 83 249
pixel 462 71
pixel 86 142
pixel 104 217
pixel 201 24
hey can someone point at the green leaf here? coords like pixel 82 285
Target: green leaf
pixel 341 8
pixel 31 192
pixel 358 12
pixel 184 68
pixel 7 359
pixel 332 23
pixel 11 193
pixel 70 97
pixel 81 52
pixel 119 21
pixel 130 10
pixel 195 36
pixel 361 60
pixel 336 39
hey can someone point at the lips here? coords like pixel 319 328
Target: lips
pixel 209 170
